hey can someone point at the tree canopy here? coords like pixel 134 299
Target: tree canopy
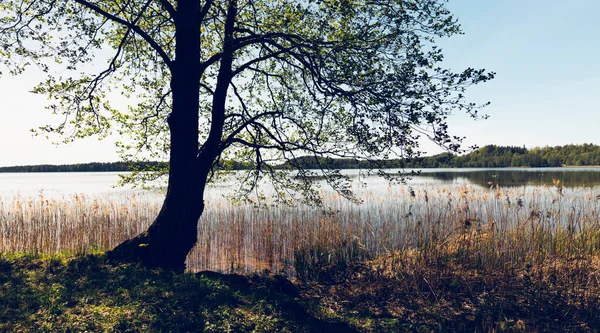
pixel 324 78
pixel 256 81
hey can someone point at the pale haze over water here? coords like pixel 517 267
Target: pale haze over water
pixel 56 184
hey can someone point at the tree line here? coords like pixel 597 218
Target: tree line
pixel 107 167
pixel 83 167
pixel 493 156
pixel 490 156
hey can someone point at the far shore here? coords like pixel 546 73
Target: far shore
pixel 50 168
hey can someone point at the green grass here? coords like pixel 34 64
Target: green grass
pixel 87 293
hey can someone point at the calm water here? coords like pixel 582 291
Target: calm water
pixel 92 183
pixel 511 177
pixel 59 183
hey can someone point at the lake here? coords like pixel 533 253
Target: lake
pixel 93 183
pixel 568 177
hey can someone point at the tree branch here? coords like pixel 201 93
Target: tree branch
pixel 205 9
pixel 213 141
pixel 161 52
pixel 257 60
pixel 252 144
pixel 248 122
pixel 168 7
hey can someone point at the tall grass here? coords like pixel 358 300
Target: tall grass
pixel 486 229
pixel 77 224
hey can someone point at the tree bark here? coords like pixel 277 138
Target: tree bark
pixel 173 234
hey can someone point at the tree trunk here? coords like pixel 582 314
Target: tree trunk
pixel 173 234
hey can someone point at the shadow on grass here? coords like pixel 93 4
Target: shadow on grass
pixel 447 298
pixel 87 294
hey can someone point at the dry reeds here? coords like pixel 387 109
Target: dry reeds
pixel 487 229
pixel 77 224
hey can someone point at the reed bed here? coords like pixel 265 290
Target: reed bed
pixel 488 229
pixel 77 224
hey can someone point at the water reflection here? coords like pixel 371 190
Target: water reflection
pixel 511 177
pixel 58 184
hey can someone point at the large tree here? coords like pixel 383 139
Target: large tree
pixel 262 81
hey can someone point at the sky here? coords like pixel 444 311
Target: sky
pixel 546 91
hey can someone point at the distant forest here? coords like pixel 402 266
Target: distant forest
pixel 83 167
pixel 499 156
pixel 490 156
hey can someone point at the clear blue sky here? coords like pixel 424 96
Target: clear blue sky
pixel 545 53
pixel 546 92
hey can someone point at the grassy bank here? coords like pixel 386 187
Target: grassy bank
pixel 86 293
